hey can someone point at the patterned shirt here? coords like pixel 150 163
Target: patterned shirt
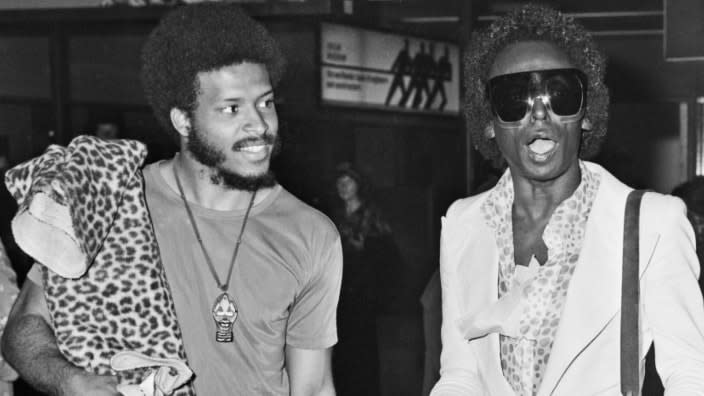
pixel 524 358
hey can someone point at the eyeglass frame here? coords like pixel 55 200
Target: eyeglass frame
pixel 544 98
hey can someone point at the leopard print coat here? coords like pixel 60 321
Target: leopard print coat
pixel 82 214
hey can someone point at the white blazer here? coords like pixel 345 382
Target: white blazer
pixel 585 353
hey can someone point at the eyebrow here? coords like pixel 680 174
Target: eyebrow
pixel 239 99
pixel 267 93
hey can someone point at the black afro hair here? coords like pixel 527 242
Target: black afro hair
pixel 533 22
pixel 200 38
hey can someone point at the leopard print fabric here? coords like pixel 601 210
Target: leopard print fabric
pixel 123 301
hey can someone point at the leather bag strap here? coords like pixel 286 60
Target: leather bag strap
pixel 630 294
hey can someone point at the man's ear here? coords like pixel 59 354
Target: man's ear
pixel 180 121
pixel 489 131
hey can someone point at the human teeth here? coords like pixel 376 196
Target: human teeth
pixel 541 146
pixel 253 149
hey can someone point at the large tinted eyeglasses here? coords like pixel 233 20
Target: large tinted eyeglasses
pixel 562 91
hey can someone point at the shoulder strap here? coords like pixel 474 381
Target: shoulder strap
pixel 630 293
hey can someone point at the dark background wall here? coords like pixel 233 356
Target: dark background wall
pixel 644 145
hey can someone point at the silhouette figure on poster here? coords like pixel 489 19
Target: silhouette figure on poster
pixel 419 79
pixel 431 68
pixel 442 72
pixel 401 67
pixel 423 70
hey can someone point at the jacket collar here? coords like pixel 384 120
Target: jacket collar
pixel 587 310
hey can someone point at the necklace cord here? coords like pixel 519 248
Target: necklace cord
pixel 225 286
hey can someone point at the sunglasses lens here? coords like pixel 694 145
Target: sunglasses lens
pixel 509 98
pixel 565 92
pixel 510 94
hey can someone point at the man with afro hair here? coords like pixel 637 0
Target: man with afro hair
pixel 254 272
pixel 531 270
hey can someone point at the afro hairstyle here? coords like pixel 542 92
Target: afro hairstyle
pixel 199 38
pixel 533 22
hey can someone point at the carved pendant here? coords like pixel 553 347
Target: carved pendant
pixel 224 314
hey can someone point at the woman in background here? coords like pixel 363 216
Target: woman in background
pixel 366 241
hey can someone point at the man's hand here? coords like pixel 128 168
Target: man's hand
pixel 82 383
pixel 29 345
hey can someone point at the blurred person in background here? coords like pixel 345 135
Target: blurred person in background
pixel 366 246
pixel 107 130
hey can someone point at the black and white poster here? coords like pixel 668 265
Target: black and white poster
pixel 365 68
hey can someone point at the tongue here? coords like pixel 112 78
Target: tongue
pixel 541 146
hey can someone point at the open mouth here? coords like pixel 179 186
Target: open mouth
pixel 253 149
pixel 258 148
pixel 541 148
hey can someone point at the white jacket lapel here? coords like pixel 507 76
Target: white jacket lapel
pixel 475 248
pixel 593 297
pixel 594 294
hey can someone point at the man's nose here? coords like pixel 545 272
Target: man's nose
pixel 539 110
pixel 255 122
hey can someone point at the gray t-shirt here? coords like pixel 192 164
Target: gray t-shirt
pixel 286 284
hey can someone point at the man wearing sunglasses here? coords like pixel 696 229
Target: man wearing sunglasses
pixel 531 269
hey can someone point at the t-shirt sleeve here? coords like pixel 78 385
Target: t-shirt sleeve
pixel 313 319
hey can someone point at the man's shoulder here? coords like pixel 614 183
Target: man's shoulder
pixel 466 206
pixel 150 173
pixel 303 213
pixel 656 210
pixel 151 168
pixel 154 182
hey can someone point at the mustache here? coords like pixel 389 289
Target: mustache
pixel 267 138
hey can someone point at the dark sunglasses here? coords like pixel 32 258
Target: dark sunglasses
pixel 562 91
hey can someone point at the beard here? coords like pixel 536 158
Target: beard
pixel 213 157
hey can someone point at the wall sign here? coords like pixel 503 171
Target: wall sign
pixel 365 68
pixel 683 30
